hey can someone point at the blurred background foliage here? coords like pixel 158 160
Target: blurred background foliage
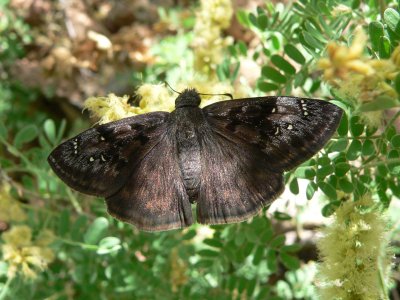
pixel 59 244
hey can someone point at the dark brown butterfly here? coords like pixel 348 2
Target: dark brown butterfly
pixel 228 158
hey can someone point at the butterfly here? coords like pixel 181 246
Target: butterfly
pixel 228 158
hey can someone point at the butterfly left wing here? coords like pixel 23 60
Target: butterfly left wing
pixel 288 130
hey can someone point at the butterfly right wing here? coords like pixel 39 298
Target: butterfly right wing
pixel 99 160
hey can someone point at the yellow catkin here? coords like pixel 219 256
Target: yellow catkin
pixel 354 253
pixel 156 97
pixel 10 209
pixel 208 43
pixel 25 255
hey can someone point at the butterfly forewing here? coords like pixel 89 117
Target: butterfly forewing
pixel 288 130
pixel 100 160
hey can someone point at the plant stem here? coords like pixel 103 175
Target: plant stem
pixel 4 290
pixel 82 245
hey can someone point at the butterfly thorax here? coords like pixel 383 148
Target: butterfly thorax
pixel 187 121
pixel 188 98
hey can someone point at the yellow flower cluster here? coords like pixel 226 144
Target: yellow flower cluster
pixel 154 98
pixel 178 275
pixel 23 254
pixel 354 253
pixel 208 44
pixel 10 210
pixel 358 78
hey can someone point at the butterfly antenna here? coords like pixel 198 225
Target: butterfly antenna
pixel 225 94
pixel 167 84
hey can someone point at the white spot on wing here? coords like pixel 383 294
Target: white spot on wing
pixel 91 159
pixel 290 127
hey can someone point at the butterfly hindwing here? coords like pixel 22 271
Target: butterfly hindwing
pixel 154 197
pixel 288 130
pixel 99 160
pixel 236 181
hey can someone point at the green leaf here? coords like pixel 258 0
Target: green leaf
pixel 208 253
pixel 3 131
pixel 384 47
pixel 25 135
pixel 312 30
pixel 290 262
pixel 273 74
pixel 324 171
pixel 262 22
pixel 305 172
pixel 242 17
pixel 291 248
pixel 345 185
pixel 392 19
pixel 253 19
pixel 339 146
pixel 324 160
pixel 375 33
pixel 395 141
pixel 354 150
pixel 63 222
pixel 356 127
pixel 355 4
pixel 77 227
pixel 50 129
pixel 396 83
pixel 250 288
pixel 294 54
pixel 108 245
pixel 393 166
pixel 282 216
pixel 294 186
pixel 380 103
pixel 242 48
pixel 368 148
pixel 272 261
pixel 341 169
pixel 312 41
pixel 330 208
pixel 258 255
pixel 266 236
pixel 213 243
pixel 267 86
pixel 328 190
pixel 189 235
pixel 390 132
pixel 311 189
pixel 275 42
pixel 343 126
pixel 96 231
pixel 283 64
pixel 277 241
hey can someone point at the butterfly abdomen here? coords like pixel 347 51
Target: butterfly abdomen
pixel 187 121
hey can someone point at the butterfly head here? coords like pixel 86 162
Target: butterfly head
pixel 189 97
